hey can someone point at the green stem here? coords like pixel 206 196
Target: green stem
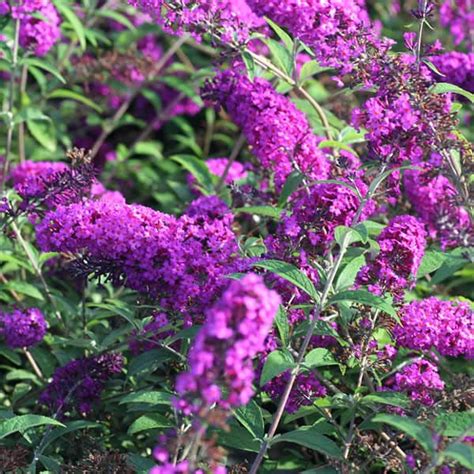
pixel 11 103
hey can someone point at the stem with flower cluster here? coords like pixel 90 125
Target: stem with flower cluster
pixel 319 307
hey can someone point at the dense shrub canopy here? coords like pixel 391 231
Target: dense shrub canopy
pixel 237 236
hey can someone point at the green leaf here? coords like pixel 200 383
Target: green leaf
pixel 455 424
pixel 150 421
pixel 239 438
pixel 251 418
pixel 197 168
pixel 68 94
pixel 44 65
pixel 409 426
pixel 116 16
pixel 266 211
pixel 309 69
pixel 24 288
pixel 462 453
pixel 282 56
pixel 154 398
pixel 445 87
pixel 44 133
pixel 432 260
pixel 448 268
pixel 281 33
pixel 74 21
pixel 311 437
pixel 277 362
pixel 281 321
pixel 294 179
pixel 366 298
pixel 23 423
pixel 352 234
pixel 337 145
pixel 143 465
pixel 149 361
pixel 76 425
pixel 319 357
pixel 290 273
pixel 348 274
pixel 387 398
pixel 249 65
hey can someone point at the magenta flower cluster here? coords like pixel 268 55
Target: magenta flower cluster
pixel 433 198
pixel 458 16
pixel 316 214
pixel 39 23
pixel 402 245
pixel 306 389
pixel 455 67
pixel 230 20
pixel 420 380
pixel 23 328
pixel 447 326
pixel 221 358
pixel 33 178
pixel 180 261
pixel 332 29
pixel 79 383
pixel 278 133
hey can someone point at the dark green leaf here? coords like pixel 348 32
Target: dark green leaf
pixel 366 298
pixel 45 65
pixel 294 179
pixel 410 427
pixel 281 321
pixel 348 274
pixel 319 357
pixel 290 273
pixel 150 421
pixel 252 418
pixel 76 96
pixel 387 398
pixel 445 87
pixel 432 260
pixel 311 437
pixel 23 423
pixel 455 424
pixel 277 362
pixel 462 453
pixel 197 168
pixel 154 398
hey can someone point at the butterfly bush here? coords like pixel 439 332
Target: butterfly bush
pixel 455 67
pixel 246 276
pixel 326 27
pixel 233 334
pixel 447 326
pixel 420 380
pixel 231 20
pixel 433 198
pixel 181 261
pixel 23 328
pixel 402 245
pixel 316 214
pixel 458 16
pixel 79 384
pixel 39 24
pixel 278 133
